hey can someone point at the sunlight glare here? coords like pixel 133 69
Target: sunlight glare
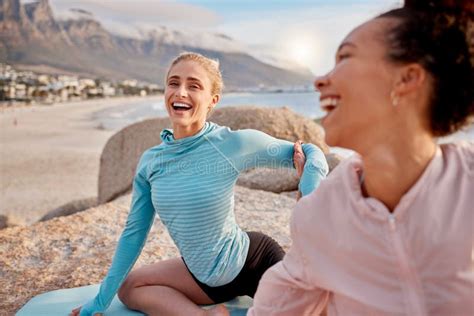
pixel 302 48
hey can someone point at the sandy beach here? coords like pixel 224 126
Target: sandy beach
pixel 49 156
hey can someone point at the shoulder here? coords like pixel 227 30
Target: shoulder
pixel 225 130
pixel 240 136
pixel 150 153
pixel 219 132
pixel 460 154
pixel 348 170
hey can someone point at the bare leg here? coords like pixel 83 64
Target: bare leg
pixel 166 288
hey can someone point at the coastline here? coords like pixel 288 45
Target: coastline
pixel 49 155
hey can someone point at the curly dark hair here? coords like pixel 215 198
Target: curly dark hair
pixel 438 43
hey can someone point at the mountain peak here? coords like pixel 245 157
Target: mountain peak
pixel 80 43
pixel 39 11
pixel 41 16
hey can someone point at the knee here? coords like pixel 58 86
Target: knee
pixel 126 288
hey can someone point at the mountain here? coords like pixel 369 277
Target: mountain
pixel 30 35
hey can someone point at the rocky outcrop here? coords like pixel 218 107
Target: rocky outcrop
pixel 333 160
pixel 76 250
pixel 30 35
pixel 281 123
pixel 272 180
pixel 3 221
pixel 88 33
pixel 123 150
pixel 41 16
pixel 15 27
pixel 120 156
pixel 278 180
pixel 70 208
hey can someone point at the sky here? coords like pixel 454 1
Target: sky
pixel 295 33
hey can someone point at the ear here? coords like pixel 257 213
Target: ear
pixel 410 78
pixel 215 99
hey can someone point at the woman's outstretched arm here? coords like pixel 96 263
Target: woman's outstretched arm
pixel 251 148
pixel 130 244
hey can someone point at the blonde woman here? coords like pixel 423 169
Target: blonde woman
pixel 188 182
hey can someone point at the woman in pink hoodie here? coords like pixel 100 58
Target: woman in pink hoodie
pixel 390 231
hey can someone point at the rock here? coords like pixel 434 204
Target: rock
pixel 273 180
pixel 291 194
pixel 123 150
pixel 278 180
pixel 3 221
pixel 120 156
pixel 76 250
pixel 279 122
pixel 70 208
pixel 333 160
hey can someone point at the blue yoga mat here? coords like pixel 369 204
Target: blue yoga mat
pixel 61 302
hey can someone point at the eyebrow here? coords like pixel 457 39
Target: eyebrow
pixel 188 78
pixel 345 44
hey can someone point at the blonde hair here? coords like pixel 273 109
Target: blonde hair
pixel 210 65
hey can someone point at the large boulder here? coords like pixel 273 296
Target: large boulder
pixel 122 152
pixel 3 221
pixel 120 156
pixel 281 123
pixel 267 179
pixel 76 250
pixel 333 160
pixel 70 208
pixel 278 180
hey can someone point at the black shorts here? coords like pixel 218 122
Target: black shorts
pixel 263 253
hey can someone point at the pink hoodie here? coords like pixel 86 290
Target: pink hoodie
pixel 351 255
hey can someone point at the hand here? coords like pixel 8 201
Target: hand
pixel 299 158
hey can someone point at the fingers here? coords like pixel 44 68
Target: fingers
pixel 297 146
pixel 299 161
pixel 299 158
pixel 298 196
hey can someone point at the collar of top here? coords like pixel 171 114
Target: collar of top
pixel 167 135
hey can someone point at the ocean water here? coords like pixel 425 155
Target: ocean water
pixel 115 118
pixel 304 103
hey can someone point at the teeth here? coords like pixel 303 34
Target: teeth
pixel 181 105
pixel 329 103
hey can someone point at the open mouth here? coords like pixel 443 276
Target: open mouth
pixel 181 107
pixel 329 104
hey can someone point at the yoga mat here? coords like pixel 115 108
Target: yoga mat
pixel 61 302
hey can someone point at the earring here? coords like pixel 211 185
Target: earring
pixel 393 98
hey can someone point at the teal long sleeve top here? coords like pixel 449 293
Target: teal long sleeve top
pixel 189 183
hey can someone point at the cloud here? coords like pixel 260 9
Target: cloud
pixel 168 22
pixel 324 24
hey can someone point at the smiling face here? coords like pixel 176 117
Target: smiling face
pixel 356 93
pixel 188 97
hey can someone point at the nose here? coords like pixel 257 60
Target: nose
pixel 321 81
pixel 181 91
